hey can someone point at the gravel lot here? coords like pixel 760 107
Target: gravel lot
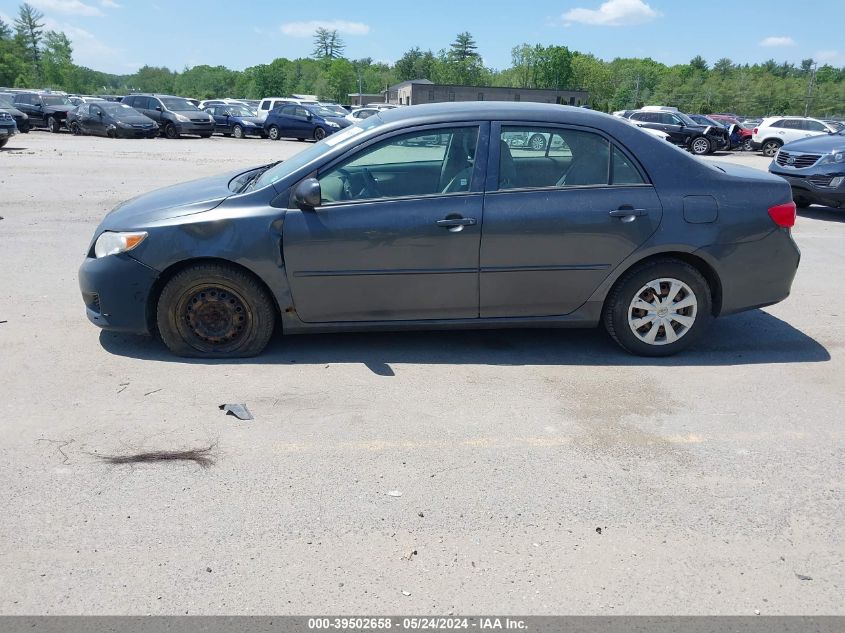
pixel 540 472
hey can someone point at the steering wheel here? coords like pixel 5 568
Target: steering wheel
pixel 371 185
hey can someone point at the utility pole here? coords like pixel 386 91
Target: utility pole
pixel 637 92
pixel 810 86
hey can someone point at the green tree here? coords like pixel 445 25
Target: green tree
pixel 57 67
pixel 415 64
pixel 5 31
pixel 328 44
pixel 29 28
pixel 463 48
pixel 698 63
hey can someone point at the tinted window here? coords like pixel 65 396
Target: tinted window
pixel 622 170
pixel 570 158
pixel 265 105
pixel 814 126
pixel 211 110
pixel 778 123
pixel 96 110
pixel 82 110
pixel 288 110
pixel 415 164
pixel 669 119
pixel 792 124
pixel 302 112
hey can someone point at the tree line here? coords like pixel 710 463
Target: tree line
pixel 31 56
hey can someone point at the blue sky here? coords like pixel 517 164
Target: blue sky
pixel 119 36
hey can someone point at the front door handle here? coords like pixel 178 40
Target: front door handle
pixel 456 225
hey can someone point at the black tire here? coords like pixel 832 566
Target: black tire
pixel 800 201
pixel 171 132
pixel 3 142
pixel 238 132
pixel 273 133
pixel 771 147
pixel 301 140
pixel 537 142
pixel 75 129
pixel 205 135
pixel 746 145
pixel 319 134
pixel 54 124
pixel 215 310
pixel 619 304
pixel 700 146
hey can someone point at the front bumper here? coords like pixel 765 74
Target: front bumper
pixel 811 185
pixel 150 132
pixel 194 128
pixel 7 132
pixel 755 274
pixel 116 291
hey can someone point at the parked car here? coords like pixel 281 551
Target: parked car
pixel 8 128
pixel 175 116
pixel 268 104
pixel 815 169
pixel 337 109
pixel 774 132
pixel 235 120
pixel 210 102
pixel 20 117
pixel 683 131
pixel 360 114
pixel 78 100
pixel 114 120
pixel 44 109
pixel 302 122
pixel 380 233
pixel 382 106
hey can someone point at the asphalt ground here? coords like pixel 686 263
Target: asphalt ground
pixel 540 472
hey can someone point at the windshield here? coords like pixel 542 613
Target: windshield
pixel 5 102
pixel 115 108
pixel 239 111
pixel 321 111
pixel 179 105
pixel 336 109
pixel 55 100
pixel 684 118
pixel 306 156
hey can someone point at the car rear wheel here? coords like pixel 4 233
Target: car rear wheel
pixel 319 134
pixel 238 131
pixel 658 308
pixel 770 148
pixel 274 133
pixel 54 124
pixel 746 145
pixel 700 146
pixel 170 131
pixel 801 201
pixel 3 142
pixel 537 142
pixel 75 129
pixel 215 310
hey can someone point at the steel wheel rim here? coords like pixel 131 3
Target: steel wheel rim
pixel 214 317
pixel 699 146
pixel 238 132
pixel 274 133
pixel 663 311
pixel 319 134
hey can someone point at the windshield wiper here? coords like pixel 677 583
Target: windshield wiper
pixel 254 178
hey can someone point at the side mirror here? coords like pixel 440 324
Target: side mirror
pixel 310 117
pixel 308 194
pixel 158 108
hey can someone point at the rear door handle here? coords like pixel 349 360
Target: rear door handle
pixel 625 213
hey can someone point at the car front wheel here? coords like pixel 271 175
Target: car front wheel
pixel 75 129
pixel 319 134
pixel 54 124
pixel 700 146
pixel 273 133
pixel 770 148
pixel 215 310
pixel 238 131
pixel 658 308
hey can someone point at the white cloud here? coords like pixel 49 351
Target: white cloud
pixel 75 7
pixel 306 29
pixel 777 40
pixel 87 49
pixel 613 13
pixel 110 4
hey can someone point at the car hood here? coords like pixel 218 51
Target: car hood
pixel 13 111
pixel 171 202
pixel 340 120
pixel 821 144
pixel 59 108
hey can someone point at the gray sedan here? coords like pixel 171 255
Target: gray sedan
pixel 372 229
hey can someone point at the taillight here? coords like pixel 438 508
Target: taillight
pixel 783 214
pixel 755 131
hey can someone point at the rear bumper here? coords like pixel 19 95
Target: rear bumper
pixel 755 274
pixel 116 290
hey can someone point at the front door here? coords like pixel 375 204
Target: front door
pixel 397 234
pixel 96 120
pixel 556 224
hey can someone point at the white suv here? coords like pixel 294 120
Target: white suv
pixel 271 103
pixel 775 131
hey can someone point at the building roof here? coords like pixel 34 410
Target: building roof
pixel 409 82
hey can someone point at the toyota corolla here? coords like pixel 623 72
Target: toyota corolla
pixel 372 230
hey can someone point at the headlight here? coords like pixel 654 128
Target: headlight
pixel 836 156
pixel 181 118
pixel 332 124
pixel 110 243
pixel 125 126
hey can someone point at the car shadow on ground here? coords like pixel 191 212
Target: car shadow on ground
pixel 754 337
pixel 815 212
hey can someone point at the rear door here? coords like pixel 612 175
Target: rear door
pixel 554 232
pixel 397 235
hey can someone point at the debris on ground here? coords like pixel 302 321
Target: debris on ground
pixel 202 456
pixel 406 593
pixel 149 393
pixel 238 410
pixel 394 493
pixel 123 387
pixel 803 577
pixel 59 444
pixel 409 555
pixel 598 530
pixel 420 515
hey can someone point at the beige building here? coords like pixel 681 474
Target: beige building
pixel 417 91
